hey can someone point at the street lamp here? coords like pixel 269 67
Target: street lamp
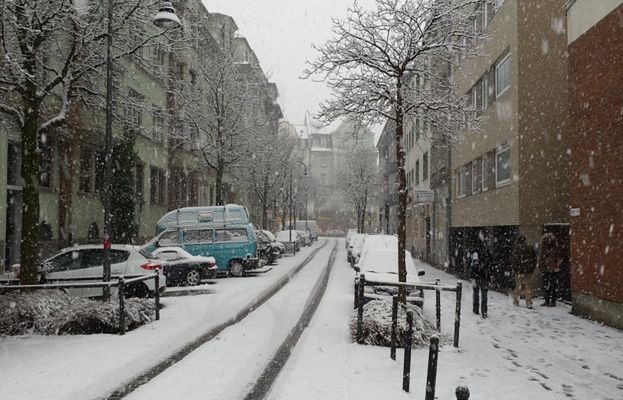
pixel 165 18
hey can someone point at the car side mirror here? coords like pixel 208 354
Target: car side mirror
pixel 421 272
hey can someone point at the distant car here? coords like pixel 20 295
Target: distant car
pixel 379 261
pixel 87 261
pixel 306 238
pixel 268 248
pixel 269 235
pixel 335 233
pixel 182 268
pixel 309 226
pixel 289 236
pixel 349 235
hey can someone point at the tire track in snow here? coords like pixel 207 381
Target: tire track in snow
pixel 149 374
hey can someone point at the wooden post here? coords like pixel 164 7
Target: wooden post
pixel 431 378
pixel 438 306
pixel 406 369
pixel 457 316
pixel 362 285
pixel 157 294
pixel 121 306
pixel 392 352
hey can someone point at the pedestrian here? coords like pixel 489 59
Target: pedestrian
pixel 480 272
pixel 523 262
pixel 549 263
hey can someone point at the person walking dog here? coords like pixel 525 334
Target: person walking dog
pixel 523 262
pixel 549 263
pixel 480 272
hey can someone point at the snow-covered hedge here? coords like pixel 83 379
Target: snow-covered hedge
pixel 377 324
pixel 56 313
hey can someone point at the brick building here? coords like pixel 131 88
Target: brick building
pixel 595 39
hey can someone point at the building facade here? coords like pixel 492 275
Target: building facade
pixel 510 178
pixel 595 33
pixel 388 199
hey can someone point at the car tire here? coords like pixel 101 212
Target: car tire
pixel 235 268
pixel 139 290
pixel 193 278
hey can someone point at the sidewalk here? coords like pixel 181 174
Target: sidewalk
pixel 515 354
pixel 89 366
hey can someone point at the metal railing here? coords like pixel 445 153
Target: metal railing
pixel 121 282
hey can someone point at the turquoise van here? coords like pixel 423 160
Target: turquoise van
pixel 233 246
pixel 227 214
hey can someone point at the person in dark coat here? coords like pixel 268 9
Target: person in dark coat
pixel 480 272
pixel 523 262
pixel 549 263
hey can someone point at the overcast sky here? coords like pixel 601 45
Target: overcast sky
pixel 281 33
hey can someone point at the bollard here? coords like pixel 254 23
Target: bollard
pixel 406 369
pixel 392 352
pixel 462 393
pixel 362 285
pixel 121 306
pixel 431 378
pixel 438 306
pixel 457 315
pixel 157 294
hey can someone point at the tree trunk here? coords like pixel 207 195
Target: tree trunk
pixel 402 194
pixel 29 249
pixel 220 169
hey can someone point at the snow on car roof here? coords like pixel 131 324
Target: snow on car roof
pixel 384 261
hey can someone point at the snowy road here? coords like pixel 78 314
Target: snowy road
pixel 228 366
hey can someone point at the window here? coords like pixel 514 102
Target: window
pixel 478 96
pixel 231 235
pixel 45 164
pixel 86 171
pixel 198 236
pixel 503 75
pixel 134 110
pixel 417 172
pixel 167 238
pixel 484 86
pixel 490 87
pixel 65 262
pixel 503 166
pixel 157 116
pixel 425 166
pixel 488 171
pixel 100 170
pixel 477 176
pixel 93 234
pixel 92 258
pixel 14 157
pixel 139 185
pixel 157 185
pixel 459 182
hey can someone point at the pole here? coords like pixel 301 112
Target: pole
pixel 121 305
pixel 107 153
pixel 290 240
pixel 406 369
pixel 362 284
pixel 157 294
pixel 457 315
pixel 438 306
pixel 431 378
pixel 392 352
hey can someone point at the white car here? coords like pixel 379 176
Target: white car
pixel 349 236
pixel 355 247
pixel 182 268
pixel 290 236
pixel 87 261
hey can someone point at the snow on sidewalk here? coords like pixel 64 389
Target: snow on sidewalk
pixel 89 366
pixel 515 354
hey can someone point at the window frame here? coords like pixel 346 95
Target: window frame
pixel 474 187
pixel 507 181
pixel 498 64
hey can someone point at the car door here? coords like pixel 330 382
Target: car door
pixel 92 265
pixel 64 265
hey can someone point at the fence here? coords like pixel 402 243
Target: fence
pixel 361 283
pixel 122 283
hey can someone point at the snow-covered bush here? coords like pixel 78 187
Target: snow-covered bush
pixel 377 324
pixel 57 313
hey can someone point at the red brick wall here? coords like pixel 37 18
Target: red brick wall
pixel 596 131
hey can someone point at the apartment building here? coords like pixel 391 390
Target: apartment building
pixel 595 33
pixel 388 195
pixel 511 177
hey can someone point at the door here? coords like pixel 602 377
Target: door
pixel 229 244
pixel 92 265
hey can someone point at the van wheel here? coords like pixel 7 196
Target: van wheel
pixel 139 290
pixel 193 278
pixel 235 268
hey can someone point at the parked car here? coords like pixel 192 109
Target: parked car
pixel 305 238
pixel 269 235
pixel 309 226
pixel 349 235
pixel 355 247
pixel 233 246
pixel 182 268
pixel 335 233
pixel 289 236
pixel 379 261
pixel 267 249
pixel 87 261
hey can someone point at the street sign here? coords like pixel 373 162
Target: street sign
pixel 423 196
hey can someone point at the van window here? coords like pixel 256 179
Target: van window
pixel 198 236
pixel 171 236
pixel 231 235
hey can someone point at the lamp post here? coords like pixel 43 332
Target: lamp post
pixel 166 19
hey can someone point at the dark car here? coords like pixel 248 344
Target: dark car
pixel 267 248
pixel 182 268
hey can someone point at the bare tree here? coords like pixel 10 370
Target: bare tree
pixel 358 181
pixel 51 53
pixel 383 64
